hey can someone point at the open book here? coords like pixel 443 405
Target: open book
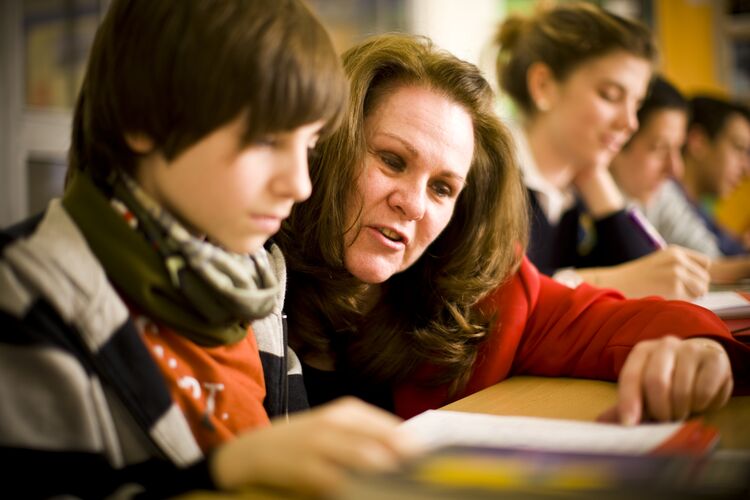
pixel 480 456
pixel 439 428
pixel 726 304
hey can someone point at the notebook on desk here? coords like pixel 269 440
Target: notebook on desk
pixel 439 428
pixel 726 304
pixel 492 473
pixel 488 456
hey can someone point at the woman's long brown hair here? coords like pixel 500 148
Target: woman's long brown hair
pixel 429 312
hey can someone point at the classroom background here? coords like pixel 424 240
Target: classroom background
pixel 704 47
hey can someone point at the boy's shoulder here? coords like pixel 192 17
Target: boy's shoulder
pixel 20 229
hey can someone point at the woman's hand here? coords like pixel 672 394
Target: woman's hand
pixel 673 273
pixel 313 451
pixel 670 379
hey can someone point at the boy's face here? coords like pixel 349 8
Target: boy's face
pixel 653 155
pixel 727 159
pixel 235 195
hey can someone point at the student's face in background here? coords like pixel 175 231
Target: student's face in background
pixel 235 194
pixel 591 113
pixel 420 147
pixel 653 155
pixel 726 159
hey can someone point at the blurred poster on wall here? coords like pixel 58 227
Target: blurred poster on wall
pixel 57 38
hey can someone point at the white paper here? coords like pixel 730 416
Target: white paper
pixel 442 427
pixel 725 304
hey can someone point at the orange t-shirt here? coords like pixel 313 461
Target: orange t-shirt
pixel 219 389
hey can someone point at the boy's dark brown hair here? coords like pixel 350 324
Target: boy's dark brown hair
pixel 176 70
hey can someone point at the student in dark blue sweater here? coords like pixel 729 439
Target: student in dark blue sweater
pixel 578 74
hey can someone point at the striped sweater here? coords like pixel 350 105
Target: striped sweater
pixel 74 409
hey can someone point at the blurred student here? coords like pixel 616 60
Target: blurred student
pixel 578 74
pixel 126 359
pixel 646 168
pixel 717 158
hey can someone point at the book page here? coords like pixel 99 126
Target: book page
pixel 725 304
pixel 441 427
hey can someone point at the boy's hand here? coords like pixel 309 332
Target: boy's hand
pixel 313 451
pixel 670 379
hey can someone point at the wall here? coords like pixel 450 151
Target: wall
pixel 689 44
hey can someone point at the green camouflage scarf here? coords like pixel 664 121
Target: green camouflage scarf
pixel 204 292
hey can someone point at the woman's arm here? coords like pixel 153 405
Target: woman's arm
pixel 591 333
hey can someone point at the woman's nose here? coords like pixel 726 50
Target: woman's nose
pixel 409 199
pixel 629 117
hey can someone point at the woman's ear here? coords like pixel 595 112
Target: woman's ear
pixel 542 86
pixel 139 142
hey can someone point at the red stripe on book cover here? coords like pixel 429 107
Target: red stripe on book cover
pixel 693 438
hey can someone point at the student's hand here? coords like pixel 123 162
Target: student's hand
pixel 730 269
pixel 599 191
pixel 313 451
pixel 673 273
pixel 670 379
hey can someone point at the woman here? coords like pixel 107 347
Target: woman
pixel 646 170
pixel 127 361
pixel 577 74
pixel 407 281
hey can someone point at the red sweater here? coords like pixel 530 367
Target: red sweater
pixel 545 328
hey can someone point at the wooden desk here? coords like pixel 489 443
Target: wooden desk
pixel 573 399
pixel 578 399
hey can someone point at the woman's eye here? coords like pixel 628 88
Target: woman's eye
pixel 393 161
pixel 442 189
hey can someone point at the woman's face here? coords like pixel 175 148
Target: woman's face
pixel 592 112
pixel 420 146
pixel 652 155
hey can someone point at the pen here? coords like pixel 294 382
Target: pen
pixel 644 226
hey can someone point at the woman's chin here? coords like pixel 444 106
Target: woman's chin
pixel 369 273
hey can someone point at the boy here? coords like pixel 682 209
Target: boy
pixel 126 362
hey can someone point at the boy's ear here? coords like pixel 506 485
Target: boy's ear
pixel 139 142
pixel 542 85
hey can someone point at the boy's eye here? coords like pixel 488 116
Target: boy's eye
pixel 611 94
